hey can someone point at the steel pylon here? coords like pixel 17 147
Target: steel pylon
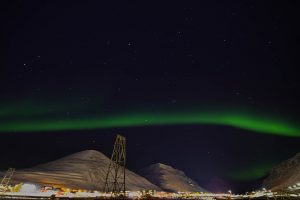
pixel 6 178
pixel 115 177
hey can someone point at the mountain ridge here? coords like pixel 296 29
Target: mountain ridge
pixel 82 170
pixel 170 179
pixel 283 175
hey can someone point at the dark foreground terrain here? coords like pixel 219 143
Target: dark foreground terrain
pixel 4 197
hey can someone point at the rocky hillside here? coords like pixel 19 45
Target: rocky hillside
pixel 170 179
pixel 284 175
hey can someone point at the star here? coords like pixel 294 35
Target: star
pixel 236 92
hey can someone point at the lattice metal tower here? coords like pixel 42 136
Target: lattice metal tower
pixel 6 179
pixel 115 177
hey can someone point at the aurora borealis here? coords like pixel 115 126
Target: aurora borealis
pixel 247 121
pixel 251 173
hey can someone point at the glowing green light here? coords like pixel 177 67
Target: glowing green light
pixel 242 120
pixel 251 173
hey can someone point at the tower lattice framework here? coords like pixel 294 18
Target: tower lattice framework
pixel 6 179
pixel 115 177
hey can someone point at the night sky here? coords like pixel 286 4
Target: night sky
pixel 211 88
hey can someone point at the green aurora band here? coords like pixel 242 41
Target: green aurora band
pixel 251 173
pixel 242 120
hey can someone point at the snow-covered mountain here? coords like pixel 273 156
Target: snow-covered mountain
pixel 82 170
pixel 170 179
pixel 286 174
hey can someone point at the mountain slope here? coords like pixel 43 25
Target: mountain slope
pixel 286 174
pixel 170 179
pixel 82 170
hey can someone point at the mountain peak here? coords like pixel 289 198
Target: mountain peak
pixel 170 179
pixel 161 165
pixel 87 155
